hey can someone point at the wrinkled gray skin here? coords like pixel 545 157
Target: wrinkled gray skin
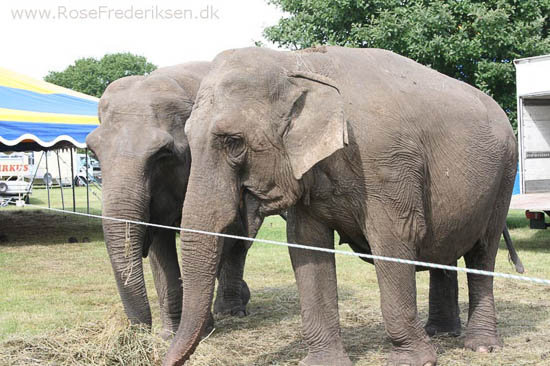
pixel 399 159
pixel 444 313
pixel 145 159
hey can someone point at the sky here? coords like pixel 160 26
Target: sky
pixel 39 36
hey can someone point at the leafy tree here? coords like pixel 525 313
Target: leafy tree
pixel 91 76
pixel 471 40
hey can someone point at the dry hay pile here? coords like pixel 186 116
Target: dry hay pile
pixel 110 342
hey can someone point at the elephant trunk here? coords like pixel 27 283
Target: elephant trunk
pixel 201 255
pixel 127 198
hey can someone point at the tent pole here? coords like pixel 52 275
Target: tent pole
pixel 87 185
pixel 60 180
pixel 72 179
pixel 47 176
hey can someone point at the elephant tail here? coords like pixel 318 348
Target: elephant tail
pixel 512 254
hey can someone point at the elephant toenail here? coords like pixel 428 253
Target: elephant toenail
pixel 239 313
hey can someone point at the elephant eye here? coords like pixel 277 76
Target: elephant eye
pixel 235 148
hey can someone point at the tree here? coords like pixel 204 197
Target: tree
pixel 471 40
pixel 91 76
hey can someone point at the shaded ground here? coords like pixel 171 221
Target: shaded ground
pixel 60 306
pixel 36 227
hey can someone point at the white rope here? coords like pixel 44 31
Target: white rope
pixel 326 250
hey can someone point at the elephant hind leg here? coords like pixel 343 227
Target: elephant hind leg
pixel 481 332
pixel 443 311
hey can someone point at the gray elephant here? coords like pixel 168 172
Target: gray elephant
pixel 145 160
pixel 399 159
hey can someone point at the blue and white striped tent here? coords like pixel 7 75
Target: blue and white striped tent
pixel 36 115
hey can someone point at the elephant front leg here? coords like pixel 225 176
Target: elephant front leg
pixel 444 311
pixel 167 277
pixel 233 293
pixel 316 279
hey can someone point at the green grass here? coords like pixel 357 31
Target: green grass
pixel 57 294
pixel 39 197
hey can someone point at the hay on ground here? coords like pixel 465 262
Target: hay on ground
pixel 110 342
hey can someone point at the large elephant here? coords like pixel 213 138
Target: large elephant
pixel 399 159
pixel 145 160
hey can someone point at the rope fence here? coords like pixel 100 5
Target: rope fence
pixel 306 247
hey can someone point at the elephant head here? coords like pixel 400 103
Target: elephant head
pixel 145 159
pixel 261 121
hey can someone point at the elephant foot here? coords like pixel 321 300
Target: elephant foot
pixel 233 307
pixel 434 328
pixel 418 355
pixel 336 358
pixel 230 308
pixel 483 344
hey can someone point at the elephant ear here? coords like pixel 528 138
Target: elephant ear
pixel 316 126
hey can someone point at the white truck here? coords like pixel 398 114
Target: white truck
pixel 533 102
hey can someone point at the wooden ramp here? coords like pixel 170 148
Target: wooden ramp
pixel 531 201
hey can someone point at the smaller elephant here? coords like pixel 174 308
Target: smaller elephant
pixel 145 159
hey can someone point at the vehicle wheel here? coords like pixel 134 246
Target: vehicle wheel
pixel 79 181
pixel 3 188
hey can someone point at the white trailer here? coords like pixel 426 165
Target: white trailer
pixel 533 103
pixel 14 182
pixel 54 167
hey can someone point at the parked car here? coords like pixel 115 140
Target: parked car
pixel 94 170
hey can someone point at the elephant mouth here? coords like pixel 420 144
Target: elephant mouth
pixel 272 201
